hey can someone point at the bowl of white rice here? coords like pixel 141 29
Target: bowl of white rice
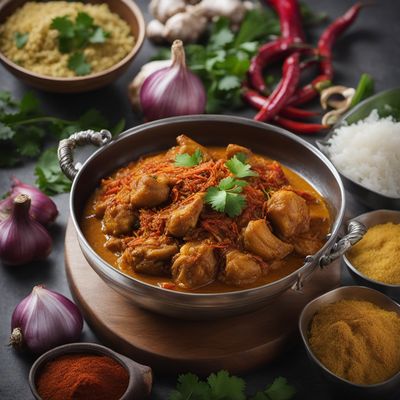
pixel 365 148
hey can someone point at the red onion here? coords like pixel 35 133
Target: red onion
pixel 173 90
pixel 43 209
pixel 22 239
pixel 45 319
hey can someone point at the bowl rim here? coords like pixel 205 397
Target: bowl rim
pixel 350 265
pixel 178 295
pixel 76 348
pixel 135 10
pixel 323 143
pixel 305 339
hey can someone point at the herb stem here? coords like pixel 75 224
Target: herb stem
pixel 40 119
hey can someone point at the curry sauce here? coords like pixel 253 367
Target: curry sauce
pixel 92 226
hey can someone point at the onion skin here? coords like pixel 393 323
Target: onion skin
pixel 173 90
pixel 43 209
pixel 22 239
pixel 45 319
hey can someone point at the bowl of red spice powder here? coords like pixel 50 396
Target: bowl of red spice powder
pixel 88 371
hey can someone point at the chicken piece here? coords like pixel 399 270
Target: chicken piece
pixel 119 219
pixel 185 217
pixel 288 213
pixel 115 245
pixel 261 241
pixel 305 245
pixel 195 266
pixel 241 269
pixel 149 191
pixel 189 146
pixel 233 149
pixel 151 257
pixel 100 207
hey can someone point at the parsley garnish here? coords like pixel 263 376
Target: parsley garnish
pixel 73 37
pixel 187 160
pixel 24 129
pixel 239 168
pixel 226 196
pixel 21 39
pixel 222 386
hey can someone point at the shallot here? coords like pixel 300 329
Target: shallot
pixel 45 319
pixel 173 90
pixel 22 239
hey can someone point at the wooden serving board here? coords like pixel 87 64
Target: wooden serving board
pixel 237 344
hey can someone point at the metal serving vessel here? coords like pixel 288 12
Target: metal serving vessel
pixel 209 130
pixel 348 388
pixel 368 220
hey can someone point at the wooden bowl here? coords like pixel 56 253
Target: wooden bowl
pixel 126 9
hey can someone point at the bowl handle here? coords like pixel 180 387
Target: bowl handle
pixel 355 232
pixel 66 147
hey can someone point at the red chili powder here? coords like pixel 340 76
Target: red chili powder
pixel 82 377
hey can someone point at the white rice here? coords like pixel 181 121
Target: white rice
pixel 368 152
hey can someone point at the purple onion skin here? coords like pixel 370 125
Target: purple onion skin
pixel 22 239
pixel 43 209
pixel 47 319
pixel 174 90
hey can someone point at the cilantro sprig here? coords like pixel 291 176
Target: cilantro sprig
pixel 21 39
pixel 223 386
pixel 187 160
pixel 74 36
pixel 227 197
pixel 24 129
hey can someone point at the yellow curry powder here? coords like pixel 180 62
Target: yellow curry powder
pixel 377 255
pixel 357 340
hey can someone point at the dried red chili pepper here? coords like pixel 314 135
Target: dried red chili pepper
pixel 331 33
pixel 310 91
pixel 257 101
pixel 283 91
pixel 300 127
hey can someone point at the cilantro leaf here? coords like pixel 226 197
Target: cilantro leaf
pixel 64 26
pixel 50 178
pixel 187 160
pixel 98 36
pixel 29 104
pixel 77 62
pixel 83 20
pixel 226 196
pixel 224 387
pixel 280 390
pixel 229 82
pixel 241 157
pixel 21 39
pixel 189 387
pixel 239 169
pixel 6 132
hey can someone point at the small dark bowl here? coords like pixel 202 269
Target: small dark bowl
pixel 387 103
pixel 370 219
pixel 140 376
pixel 126 9
pixel 348 389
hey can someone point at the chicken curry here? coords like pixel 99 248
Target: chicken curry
pixel 200 219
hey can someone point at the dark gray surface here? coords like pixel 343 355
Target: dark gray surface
pixel 372 45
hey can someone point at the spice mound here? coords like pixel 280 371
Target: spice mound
pixel 377 254
pixel 357 341
pixel 82 377
pixel 65 39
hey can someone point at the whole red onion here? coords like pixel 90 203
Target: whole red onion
pixel 45 319
pixel 173 90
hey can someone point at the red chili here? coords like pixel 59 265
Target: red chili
pixel 309 91
pixel 267 54
pixel 300 127
pixel 283 91
pixel 289 18
pixel 257 101
pixel 331 33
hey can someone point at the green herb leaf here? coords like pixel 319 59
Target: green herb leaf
pixel 98 36
pixel 239 168
pixel 229 82
pixel 190 388
pixel 223 386
pixel 77 62
pixel 50 178
pixel 6 132
pixel 64 26
pixel 242 157
pixel 29 104
pixel 187 160
pixel 365 88
pixel 21 39
pixel 83 21
pixel 280 390
pixel 232 184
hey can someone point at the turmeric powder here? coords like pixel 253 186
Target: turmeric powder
pixel 357 341
pixel 377 254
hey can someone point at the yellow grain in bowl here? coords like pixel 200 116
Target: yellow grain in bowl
pixel 41 55
pixel 377 254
